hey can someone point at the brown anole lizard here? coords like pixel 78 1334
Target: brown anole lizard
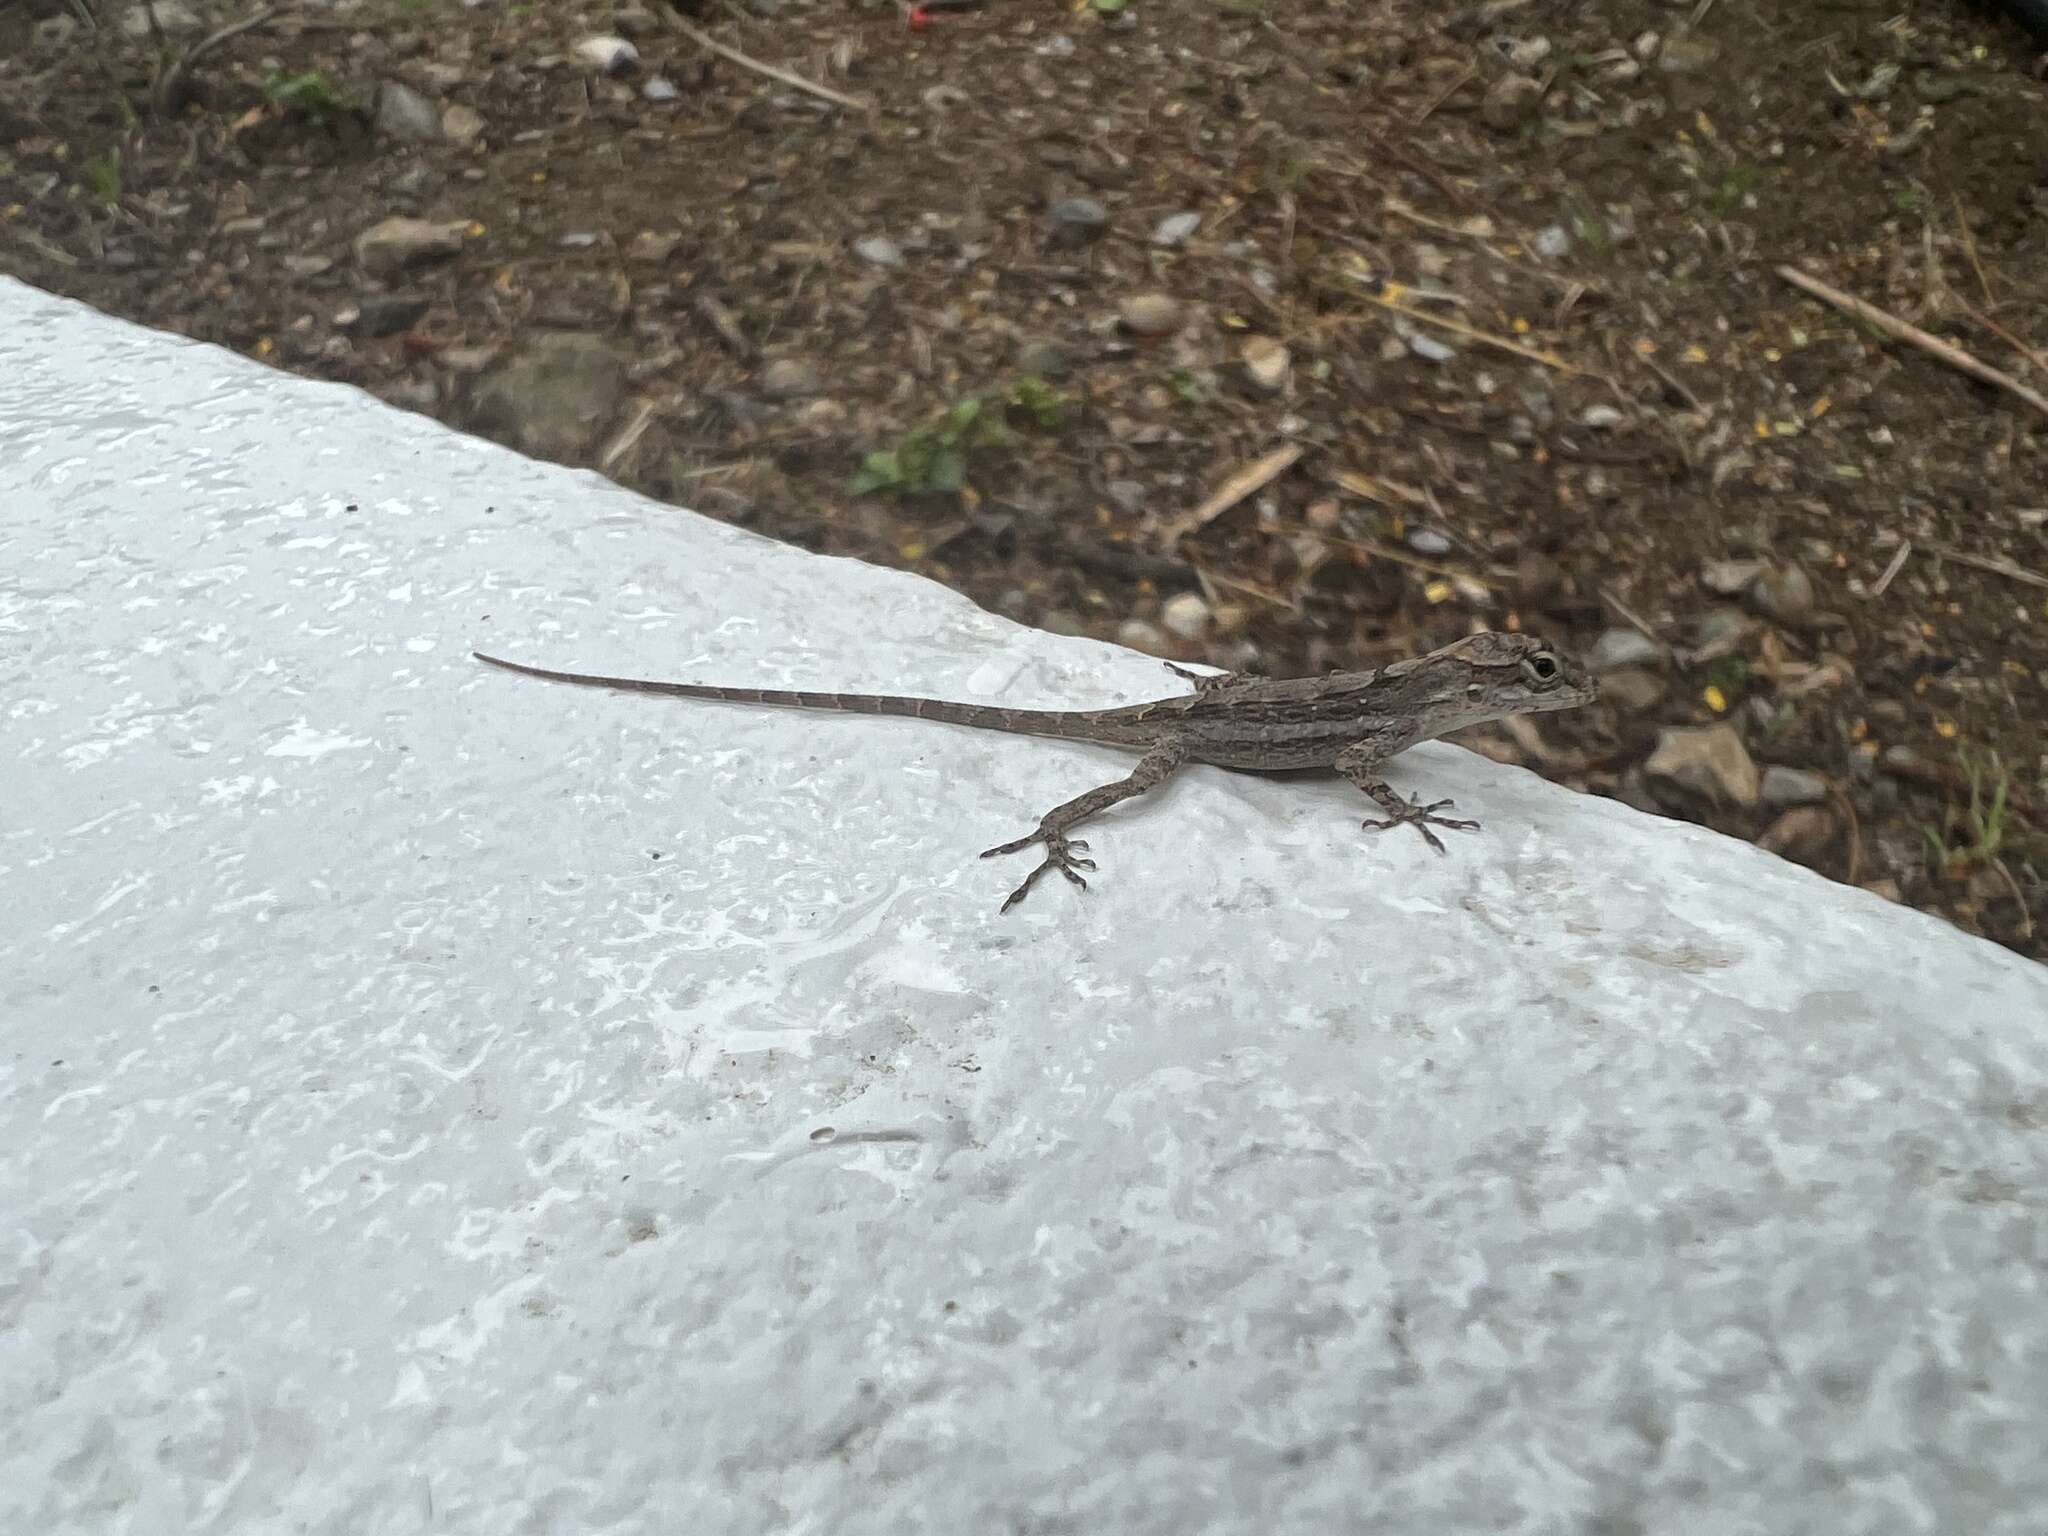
pixel 1348 721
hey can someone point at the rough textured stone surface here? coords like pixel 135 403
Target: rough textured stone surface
pixel 390 1142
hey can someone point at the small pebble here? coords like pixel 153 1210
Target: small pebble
pixel 788 378
pixel 1427 541
pixel 1510 101
pixel 1618 648
pixel 1150 314
pixel 1266 362
pixel 1784 593
pixel 1140 635
pixel 1730 578
pixel 879 251
pixel 610 55
pixel 1176 229
pixel 1688 55
pixel 1792 786
pixel 1186 615
pixel 1077 220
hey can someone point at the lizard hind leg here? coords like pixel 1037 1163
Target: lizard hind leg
pixel 1065 853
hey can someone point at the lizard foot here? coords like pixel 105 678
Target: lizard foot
pixel 1061 853
pixel 1422 818
pixel 1205 682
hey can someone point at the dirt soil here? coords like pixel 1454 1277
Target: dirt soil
pixel 1280 336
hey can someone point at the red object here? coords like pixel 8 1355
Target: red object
pixel 918 19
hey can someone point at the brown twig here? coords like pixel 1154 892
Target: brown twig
pixel 1913 336
pixel 711 44
pixel 168 94
pixel 1446 93
pixel 1248 480
pixel 2031 354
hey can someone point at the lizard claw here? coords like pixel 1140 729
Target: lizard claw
pixel 1061 853
pixel 1422 818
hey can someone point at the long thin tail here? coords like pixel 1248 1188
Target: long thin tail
pixel 1083 724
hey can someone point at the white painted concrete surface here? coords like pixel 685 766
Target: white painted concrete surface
pixel 434 1101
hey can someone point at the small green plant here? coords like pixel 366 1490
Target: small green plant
pixel 309 95
pixel 1591 228
pixel 1037 401
pixel 1973 833
pixel 934 457
pixel 102 176
pixel 1722 198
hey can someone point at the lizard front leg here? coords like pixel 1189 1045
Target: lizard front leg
pixel 1064 853
pixel 1361 765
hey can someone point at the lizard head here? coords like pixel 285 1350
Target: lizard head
pixel 1520 674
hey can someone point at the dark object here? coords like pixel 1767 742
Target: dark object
pixel 2031 14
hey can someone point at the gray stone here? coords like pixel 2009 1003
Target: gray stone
pixel 1707 760
pixel 1142 635
pixel 1187 615
pixel 404 114
pixel 1176 229
pixel 1792 786
pixel 1617 648
pixel 1802 833
pixel 608 55
pixel 399 243
pixel 1730 578
pixel 1509 102
pixel 879 251
pixel 1685 53
pixel 1784 593
pixel 1048 359
pixel 1633 690
pixel 556 396
pixel 461 125
pixel 1429 541
pixel 1150 314
pixel 1266 363
pixel 1076 221
pixel 385 315
pixel 173 16
pixel 790 378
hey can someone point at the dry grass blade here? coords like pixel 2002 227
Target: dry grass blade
pixel 1247 481
pixel 1996 567
pixel 1913 336
pixel 1457 327
pixel 711 44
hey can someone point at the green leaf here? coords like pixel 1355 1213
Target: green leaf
pixel 948 470
pixel 878 470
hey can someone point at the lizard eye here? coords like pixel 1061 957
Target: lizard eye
pixel 1543 667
